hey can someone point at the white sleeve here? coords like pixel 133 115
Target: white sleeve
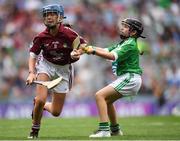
pixel 115 55
pixel 33 55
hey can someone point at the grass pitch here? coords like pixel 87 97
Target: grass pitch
pixel 134 128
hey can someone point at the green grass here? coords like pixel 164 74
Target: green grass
pixel 134 128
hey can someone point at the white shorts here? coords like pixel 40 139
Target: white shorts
pixel 54 71
pixel 127 84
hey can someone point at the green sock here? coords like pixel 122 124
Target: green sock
pixel 104 126
pixel 114 128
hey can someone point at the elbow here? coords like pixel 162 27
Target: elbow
pixel 113 58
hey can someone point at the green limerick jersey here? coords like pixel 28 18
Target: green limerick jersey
pixel 126 57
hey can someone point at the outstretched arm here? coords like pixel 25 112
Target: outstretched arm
pixel 99 52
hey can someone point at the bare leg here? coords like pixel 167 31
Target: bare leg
pixel 114 126
pixel 55 107
pixel 111 109
pixel 102 107
pixel 112 114
pixel 104 99
pixel 40 99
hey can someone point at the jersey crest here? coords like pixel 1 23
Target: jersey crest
pixel 119 47
pixel 55 44
pixel 65 45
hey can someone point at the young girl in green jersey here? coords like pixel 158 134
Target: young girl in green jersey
pixel 125 65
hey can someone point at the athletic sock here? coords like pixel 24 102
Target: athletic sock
pixel 36 127
pixel 114 128
pixel 104 126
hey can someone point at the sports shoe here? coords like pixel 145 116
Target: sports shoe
pixel 100 134
pixel 117 133
pixel 33 134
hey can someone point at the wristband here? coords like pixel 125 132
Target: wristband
pixel 94 50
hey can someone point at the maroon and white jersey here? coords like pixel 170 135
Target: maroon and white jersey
pixel 56 49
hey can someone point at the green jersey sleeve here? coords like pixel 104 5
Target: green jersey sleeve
pixel 125 50
pixel 110 48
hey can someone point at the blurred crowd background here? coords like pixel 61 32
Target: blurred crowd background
pixel 95 20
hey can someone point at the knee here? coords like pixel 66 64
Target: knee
pixel 98 96
pixel 39 102
pixel 55 113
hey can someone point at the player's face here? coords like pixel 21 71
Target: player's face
pixel 51 19
pixel 124 30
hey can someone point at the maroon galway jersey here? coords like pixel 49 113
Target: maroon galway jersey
pixel 56 49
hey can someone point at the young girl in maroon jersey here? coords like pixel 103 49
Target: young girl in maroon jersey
pixel 50 58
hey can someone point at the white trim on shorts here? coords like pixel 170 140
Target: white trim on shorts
pixel 127 84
